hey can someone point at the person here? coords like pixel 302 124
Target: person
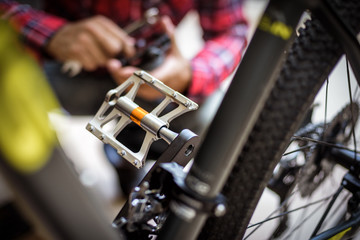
pixel 92 33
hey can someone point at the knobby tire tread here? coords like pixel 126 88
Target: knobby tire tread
pixel 310 60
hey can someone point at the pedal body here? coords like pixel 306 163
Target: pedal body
pixel 119 109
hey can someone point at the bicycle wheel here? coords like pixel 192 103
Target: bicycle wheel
pixel 307 178
pixel 309 61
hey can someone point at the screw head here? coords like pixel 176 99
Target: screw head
pixel 220 210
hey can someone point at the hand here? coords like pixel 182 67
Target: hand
pixel 175 71
pixel 92 42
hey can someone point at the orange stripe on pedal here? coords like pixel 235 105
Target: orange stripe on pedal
pixel 137 115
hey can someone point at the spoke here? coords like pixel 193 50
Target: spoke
pixel 304 220
pixel 272 213
pixel 292 231
pixel 327 210
pixel 326 105
pixel 324 143
pixel 338 206
pixel 299 149
pixel 351 104
pixel 291 211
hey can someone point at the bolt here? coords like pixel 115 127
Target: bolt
pixel 123 153
pixel 102 137
pixel 136 162
pixel 119 222
pixel 91 128
pixel 220 210
pixel 146 184
pixel 152 81
pixel 174 94
pixel 189 150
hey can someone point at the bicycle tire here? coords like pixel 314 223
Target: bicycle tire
pixel 311 58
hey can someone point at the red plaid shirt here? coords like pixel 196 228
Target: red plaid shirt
pixel 223 23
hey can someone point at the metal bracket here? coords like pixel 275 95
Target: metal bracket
pixel 119 108
pixel 180 151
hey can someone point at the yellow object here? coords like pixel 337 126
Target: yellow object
pixel 340 234
pixel 276 28
pixel 26 136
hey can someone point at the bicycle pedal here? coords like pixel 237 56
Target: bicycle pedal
pixel 119 107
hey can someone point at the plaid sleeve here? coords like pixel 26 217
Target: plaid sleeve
pixel 35 26
pixel 225 32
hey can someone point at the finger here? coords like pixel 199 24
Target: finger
pixel 105 39
pixel 168 26
pixel 111 37
pixel 113 65
pixel 87 63
pixel 98 56
pixel 91 53
pixel 127 42
pixel 119 73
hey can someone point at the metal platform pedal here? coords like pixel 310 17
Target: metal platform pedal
pixel 119 107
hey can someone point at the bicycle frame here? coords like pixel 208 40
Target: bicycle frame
pixel 230 127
